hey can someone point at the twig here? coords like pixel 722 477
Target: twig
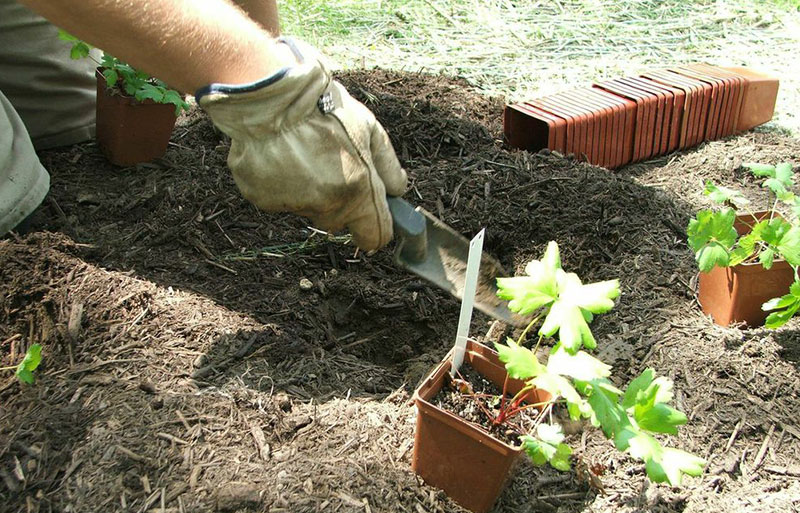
pixel 763 450
pixel 733 435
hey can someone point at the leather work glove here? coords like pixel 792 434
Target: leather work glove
pixel 300 143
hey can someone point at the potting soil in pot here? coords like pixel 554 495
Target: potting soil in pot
pixel 451 399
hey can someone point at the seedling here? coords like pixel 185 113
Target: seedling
pixel 565 306
pixel 33 357
pixel 716 243
pixel 123 77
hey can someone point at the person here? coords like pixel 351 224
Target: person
pixel 299 142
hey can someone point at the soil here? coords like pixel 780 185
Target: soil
pixel 481 399
pixel 201 355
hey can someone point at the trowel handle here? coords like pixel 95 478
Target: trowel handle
pixel 410 227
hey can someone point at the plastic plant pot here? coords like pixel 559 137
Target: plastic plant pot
pixel 663 111
pixel 704 92
pixel 596 126
pixel 603 121
pixel 559 127
pixel 644 106
pixel 582 141
pixel 457 456
pixel 618 118
pixel 693 102
pixel 531 129
pixel 739 91
pixel 758 105
pixel 677 121
pixel 130 132
pixel 629 113
pixel 576 144
pixel 729 88
pixel 735 294
pixel 719 98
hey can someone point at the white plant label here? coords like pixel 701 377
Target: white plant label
pixel 468 300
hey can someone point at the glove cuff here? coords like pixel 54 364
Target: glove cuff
pixel 258 84
pixel 273 103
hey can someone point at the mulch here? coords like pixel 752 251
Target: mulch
pixel 201 355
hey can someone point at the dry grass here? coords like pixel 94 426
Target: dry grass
pixel 523 49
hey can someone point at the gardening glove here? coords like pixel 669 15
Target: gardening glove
pixel 300 143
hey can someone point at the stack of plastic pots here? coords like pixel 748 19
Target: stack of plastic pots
pixel 616 122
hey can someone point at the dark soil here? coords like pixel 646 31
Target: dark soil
pixel 480 404
pixel 204 374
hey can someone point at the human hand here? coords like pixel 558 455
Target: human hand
pixel 300 143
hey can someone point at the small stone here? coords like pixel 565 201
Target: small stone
pixel 237 496
pixel 306 284
pixel 200 361
pixel 146 386
pixel 282 401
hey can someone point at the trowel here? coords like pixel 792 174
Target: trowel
pixel 432 250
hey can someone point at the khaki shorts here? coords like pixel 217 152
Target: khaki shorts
pixel 46 100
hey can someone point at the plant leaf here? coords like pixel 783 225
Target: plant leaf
pixel 558 386
pixel 548 447
pixel 111 77
pixel 560 460
pixel 663 464
pixel 760 169
pixel 79 50
pixel 33 357
pixel 637 386
pixel 571 312
pixel 550 433
pixel 784 307
pixel 149 92
pixel 520 361
pixel 660 418
pixel 720 194
pixel 607 412
pixel 538 289
pixel 66 36
pixel 571 304
pixel 746 246
pixel 782 238
pixel 581 366
pixel 711 236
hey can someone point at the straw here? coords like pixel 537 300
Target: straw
pixel 523 50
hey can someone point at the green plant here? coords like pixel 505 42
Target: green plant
pixel 716 243
pixel 126 78
pixel 565 306
pixel 33 357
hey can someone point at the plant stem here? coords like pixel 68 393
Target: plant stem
pixel 8 368
pixel 525 331
pixel 503 397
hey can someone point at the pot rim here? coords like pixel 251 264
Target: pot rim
pixel 438 373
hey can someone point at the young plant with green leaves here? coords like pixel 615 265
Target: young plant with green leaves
pixel 125 78
pixel 32 359
pixel 716 243
pixel 631 418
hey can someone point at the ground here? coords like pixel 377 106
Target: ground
pixel 189 367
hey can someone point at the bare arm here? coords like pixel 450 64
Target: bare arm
pixel 186 43
pixel 263 12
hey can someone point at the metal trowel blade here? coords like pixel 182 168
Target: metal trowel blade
pixel 441 258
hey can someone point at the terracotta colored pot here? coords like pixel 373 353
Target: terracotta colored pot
pixel 457 456
pixel 760 96
pixel 129 131
pixel 735 294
